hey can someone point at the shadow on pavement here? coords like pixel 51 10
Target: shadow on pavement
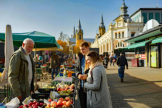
pixel 134 92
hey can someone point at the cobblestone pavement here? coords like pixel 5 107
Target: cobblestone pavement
pixel 142 87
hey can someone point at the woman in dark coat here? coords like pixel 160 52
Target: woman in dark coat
pixel 105 61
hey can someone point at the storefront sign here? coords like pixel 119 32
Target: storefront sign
pixel 143 56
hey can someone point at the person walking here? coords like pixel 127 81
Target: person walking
pixel 21 71
pixel 81 75
pixel 105 61
pixel 121 62
pixel 98 94
pixel 54 63
pixel 111 59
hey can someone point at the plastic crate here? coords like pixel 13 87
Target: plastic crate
pixel 46 90
pixel 40 96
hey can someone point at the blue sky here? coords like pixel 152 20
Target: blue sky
pixel 54 16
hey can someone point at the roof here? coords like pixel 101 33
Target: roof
pixel 86 39
pixel 145 9
pixel 147 34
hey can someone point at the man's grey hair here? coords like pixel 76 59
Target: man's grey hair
pixel 27 39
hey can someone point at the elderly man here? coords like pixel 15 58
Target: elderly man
pixel 21 71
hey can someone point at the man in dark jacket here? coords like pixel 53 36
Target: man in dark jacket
pixel 105 61
pixel 121 62
pixel 81 75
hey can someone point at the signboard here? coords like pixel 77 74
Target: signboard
pixel 143 56
pixel 140 56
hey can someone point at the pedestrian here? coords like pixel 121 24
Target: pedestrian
pixel 54 63
pixel 121 62
pixel 81 75
pixel 105 61
pixel 98 94
pixel 46 58
pixel 111 59
pixel 21 71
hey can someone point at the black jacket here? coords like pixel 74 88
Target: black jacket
pixel 79 71
pixel 122 61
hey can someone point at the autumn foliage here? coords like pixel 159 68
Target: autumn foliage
pixel 63 45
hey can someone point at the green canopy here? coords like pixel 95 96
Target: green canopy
pixel 157 40
pixel 41 40
pixel 139 44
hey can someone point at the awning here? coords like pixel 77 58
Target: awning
pixel 157 40
pixel 139 44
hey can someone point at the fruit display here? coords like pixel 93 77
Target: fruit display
pixel 48 86
pixel 34 104
pixel 60 103
pixel 64 89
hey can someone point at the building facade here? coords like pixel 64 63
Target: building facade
pixel 122 29
pixel 146 14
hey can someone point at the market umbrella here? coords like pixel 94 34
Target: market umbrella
pixel 41 40
pixel 9 50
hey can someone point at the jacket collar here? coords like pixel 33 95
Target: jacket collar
pixel 23 54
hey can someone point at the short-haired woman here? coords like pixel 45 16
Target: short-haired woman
pixel 98 95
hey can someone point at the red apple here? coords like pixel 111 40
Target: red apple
pixel 26 105
pixel 67 98
pixel 37 104
pixel 35 107
pixel 34 102
pixel 68 103
pixel 49 105
pixel 41 104
pixel 61 99
pixel 59 103
pixel 49 100
pixel 71 101
pixel 59 89
pixel 21 106
pixel 64 102
pixel 30 104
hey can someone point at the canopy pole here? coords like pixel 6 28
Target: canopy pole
pixel 35 63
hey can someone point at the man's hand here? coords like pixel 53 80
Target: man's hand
pixel 19 97
pixel 80 76
pixel 126 67
pixel 84 77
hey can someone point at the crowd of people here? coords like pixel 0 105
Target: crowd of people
pixel 92 85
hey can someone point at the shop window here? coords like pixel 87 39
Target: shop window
pixel 157 17
pixel 132 34
pixel 150 16
pixel 122 34
pixel 144 17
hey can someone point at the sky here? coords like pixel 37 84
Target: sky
pixel 54 16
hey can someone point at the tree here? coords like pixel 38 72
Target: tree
pixel 63 45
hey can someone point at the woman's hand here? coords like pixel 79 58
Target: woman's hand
pixel 84 77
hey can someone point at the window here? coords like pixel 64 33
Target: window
pixel 135 19
pixel 132 34
pixel 157 17
pixel 161 17
pixel 120 44
pixel 150 16
pixel 115 35
pixel 119 35
pixel 122 34
pixel 144 17
pixel 123 45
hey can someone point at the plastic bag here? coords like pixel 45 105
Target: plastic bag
pixel 27 100
pixel 13 103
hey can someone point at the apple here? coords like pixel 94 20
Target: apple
pixel 64 102
pixel 49 105
pixel 30 104
pixel 67 98
pixel 34 102
pixel 37 104
pixel 26 105
pixel 63 106
pixel 41 104
pixel 35 107
pixel 71 101
pixel 29 107
pixel 49 100
pixel 59 89
pixel 59 103
pixel 68 103
pixel 21 106
pixel 62 99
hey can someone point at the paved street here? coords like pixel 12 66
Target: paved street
pixel 142 88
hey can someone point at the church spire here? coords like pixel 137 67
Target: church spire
pixel 102 23
pixel 79 26
pixel 74 31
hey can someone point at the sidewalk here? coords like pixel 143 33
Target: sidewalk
pixel 142 87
